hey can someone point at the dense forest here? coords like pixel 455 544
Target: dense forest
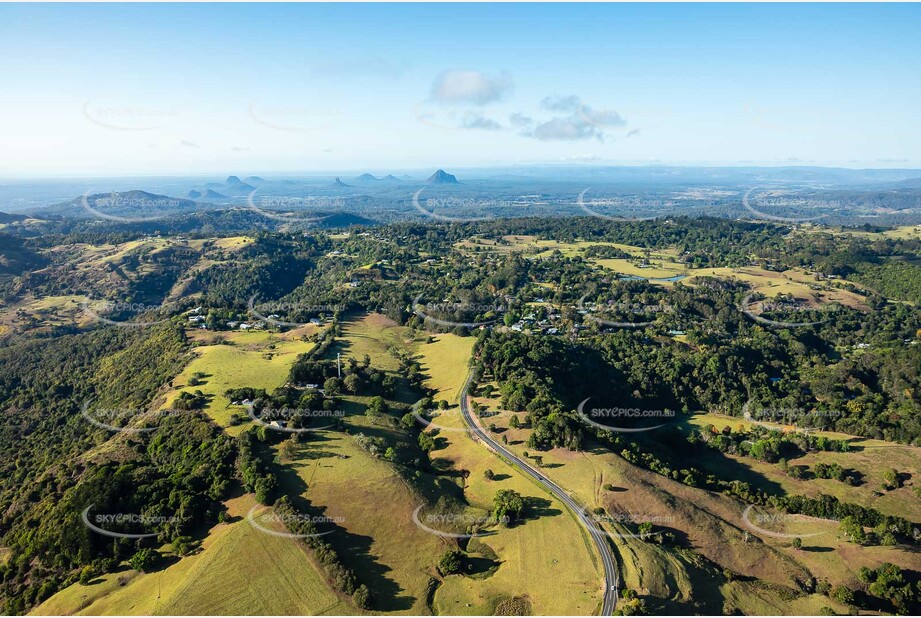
pixel 688 347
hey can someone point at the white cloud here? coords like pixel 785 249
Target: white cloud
pixel 580 122
pixel 470 87
pixel 476 121
pixel 564 129
pixel 520 120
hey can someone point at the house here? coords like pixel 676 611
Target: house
pixel 517 327
pixel 676 333
pixel 316 321
pixel 276 424
pixel 232 324
pixel 246 402
pixel 312 386
pixel 245 326
pixel 553 331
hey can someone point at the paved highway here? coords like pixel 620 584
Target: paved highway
pixel 598 536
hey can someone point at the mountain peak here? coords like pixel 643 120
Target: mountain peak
pixel 442 177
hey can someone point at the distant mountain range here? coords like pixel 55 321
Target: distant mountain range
pixel 124 204
pixel 208 194
pixel 369 178
pixel 233 185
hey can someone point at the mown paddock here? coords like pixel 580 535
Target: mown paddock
pixel 539 558
pixel 276 577
pixel 259 359
pixel 365 495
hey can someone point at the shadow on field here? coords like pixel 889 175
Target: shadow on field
pixel 354 550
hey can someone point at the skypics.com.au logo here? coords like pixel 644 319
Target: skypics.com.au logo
pixel 644 523
pixel 291 520
pixel 117 525
pixel 123 420
pixel 437 522
pixel 294 208
pixel 132 118
pixel 756 520
pixel 600 417
pixel 107 205
pixel 770 307
pixel 490 206
pixel 126 313
pixel 291 420
pixel 290 118
pixel 627 308
pixel 438 313
pixel 787 415
pixel 787 203
pixel 621 203
pixel 271 312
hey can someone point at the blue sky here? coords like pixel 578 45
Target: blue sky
pixel 151 89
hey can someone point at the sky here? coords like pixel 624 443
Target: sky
pixel 254 88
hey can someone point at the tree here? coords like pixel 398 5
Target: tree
pixel 362 597
pixel 853 530
pixel 843 595
pixel 86 575
pixel 891 478
pixel 797 543
pixel 332 386
pixel 489 475
pixel 513 422
pixel 426 442
pixel 377 406
pixel 352 383
pixel 265 489
pixel 143 559
pixel 508 506
pixel 451 562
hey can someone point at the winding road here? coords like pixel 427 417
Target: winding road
pixel 598 536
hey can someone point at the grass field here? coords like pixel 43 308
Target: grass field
pixel 551 546
pixel 444 361
pixel 869 457
pixel 259 359
pixel 374 505
pixel 903 232
pixel 771 283
pixel 663 264
pixel 395 558
pixel 239 570
pixel 712 525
